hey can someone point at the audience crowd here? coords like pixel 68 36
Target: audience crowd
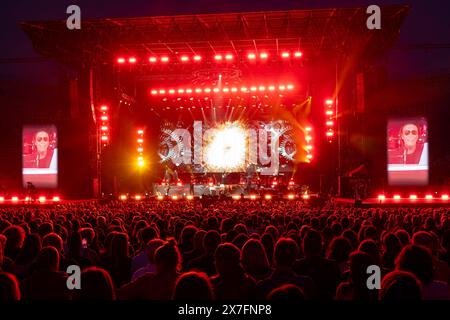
pixel 239 250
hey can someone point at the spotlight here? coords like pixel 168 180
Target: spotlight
pixel 132 60
pixel 328 102
pixel 236 197
pixel 429 196
pixel 218 57
pixel 197 58
pixel 160 197
pixel 184 58
pixel 444 197
pixel 2 199
pixel 229 57
pixel 268 197
pixel 291 196
pixel 175 197
pixel 397 197
pixel 165 59
pixel 381 197
pixel 152 59
pixel 251 56
pixel 253 197
pixel 15 199
pixel 413 197
pixel 263 55
pixel 298 54
pixel 305 196
pixel 189 197
pixel 138 197
pixel 121 60
pixel 123 197
pixel 285 55
pixel 41 199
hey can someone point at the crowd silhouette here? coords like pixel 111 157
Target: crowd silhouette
pixel 227 250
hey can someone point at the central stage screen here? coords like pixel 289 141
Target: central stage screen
pixel 268 147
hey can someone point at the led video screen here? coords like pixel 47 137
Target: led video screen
pixel 39 156
pixel 407 149
pixel 268 147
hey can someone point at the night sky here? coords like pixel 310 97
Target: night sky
pixel 425 24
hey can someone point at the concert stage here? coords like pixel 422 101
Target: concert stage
pixel 391 202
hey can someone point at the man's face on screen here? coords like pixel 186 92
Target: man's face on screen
pixel 410 134
pixel 42 141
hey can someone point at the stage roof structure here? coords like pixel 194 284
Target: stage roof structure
pixel 314 31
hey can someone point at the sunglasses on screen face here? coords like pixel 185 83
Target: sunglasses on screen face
pixel 408 132
pixel 39 139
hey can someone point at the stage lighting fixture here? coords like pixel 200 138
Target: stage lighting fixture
pixel 308 129
pixel 197 58
pixel 268 197
pixel 42 199
pixel 198 90
pixel 104 128
pixel 285 55
pixel 123 197
pixel 253 89
pixel 171 91
pixel 138 197
pixel 236 197
pixel 329 112
pixel 15 199
pixel 429 196
pixel 252 197
pixel 243 89
pixel 164 59
pixel 413 197
pixel 330 133
pixel 184 58
pixel 179 183
pixel 154 92
pixel 104 118
pixel 309 156
pixel 174 197
pixel 305 196
pixel 282 88
pixel 121 60
pixel 160 197
pixel 397 197
pixel 234 89
pixel 291 196
pixel 263 55
pixel 271 88
pixel 226 90
pixel 262 88
pixel 290 87
pixel 251 56
pixel 104 138
pixel 2 199
pixel 381 197
pixel 444 197
pixel 104 108
pixel 152 59
pixel 207 90
pixel 328 102
pixel 298 54
pixel 309 147
pixel 189 197
pixel 132 60
pixel 329 123
pixel 188 90
pixel 218 57
pixel 229 57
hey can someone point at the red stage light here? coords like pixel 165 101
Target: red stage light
pixel 162 91
pixel 132 60
pixel 184 58
pixel 121 60
pixel 381 197
pixel 291 196
pixel 305 196
pixel 252 197
pixel 104 138
pixel 226 90
pixel 197 58
pixel 152 59
pixel 140 140
pixel 329 123
pixel 429 197
pixel 42 199
pixel 207 90
pixel 262 88
pixel 216 90
pixel 140 150
pixel 271 88
pixel 104 118
pixel 234 89
pixel 171 91
pixel 329 112
pixel 309 156
pixel 180 90
pixel 244 89
pixel 413 197
pixel 138 197
pixel 174 197
pixel 229 57
pixel 285 55
pixel 290 87
pixel 160 197
pixel 251 56
pixel 330 133
pixel 188 90
pixel 198 90
pixel 164 59
pixel 263 55
pixel 298 54
pixel 179 183
pixel 282 88
pixel 14 199
pixel 123 197
pixel 104 108
pixel 291 183
pixel 140 131
pixel 309 147
pixel 328 102
pixel 397 197
pixel 444 197
pixel 104 128
pixel 189 197
pixel 236 197
pixel 268 197
pixel 154 92
pixel 308 129
pixel 2 199
pixel 253 88
pixel 218 57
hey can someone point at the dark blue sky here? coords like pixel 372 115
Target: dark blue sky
pixel 428 22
